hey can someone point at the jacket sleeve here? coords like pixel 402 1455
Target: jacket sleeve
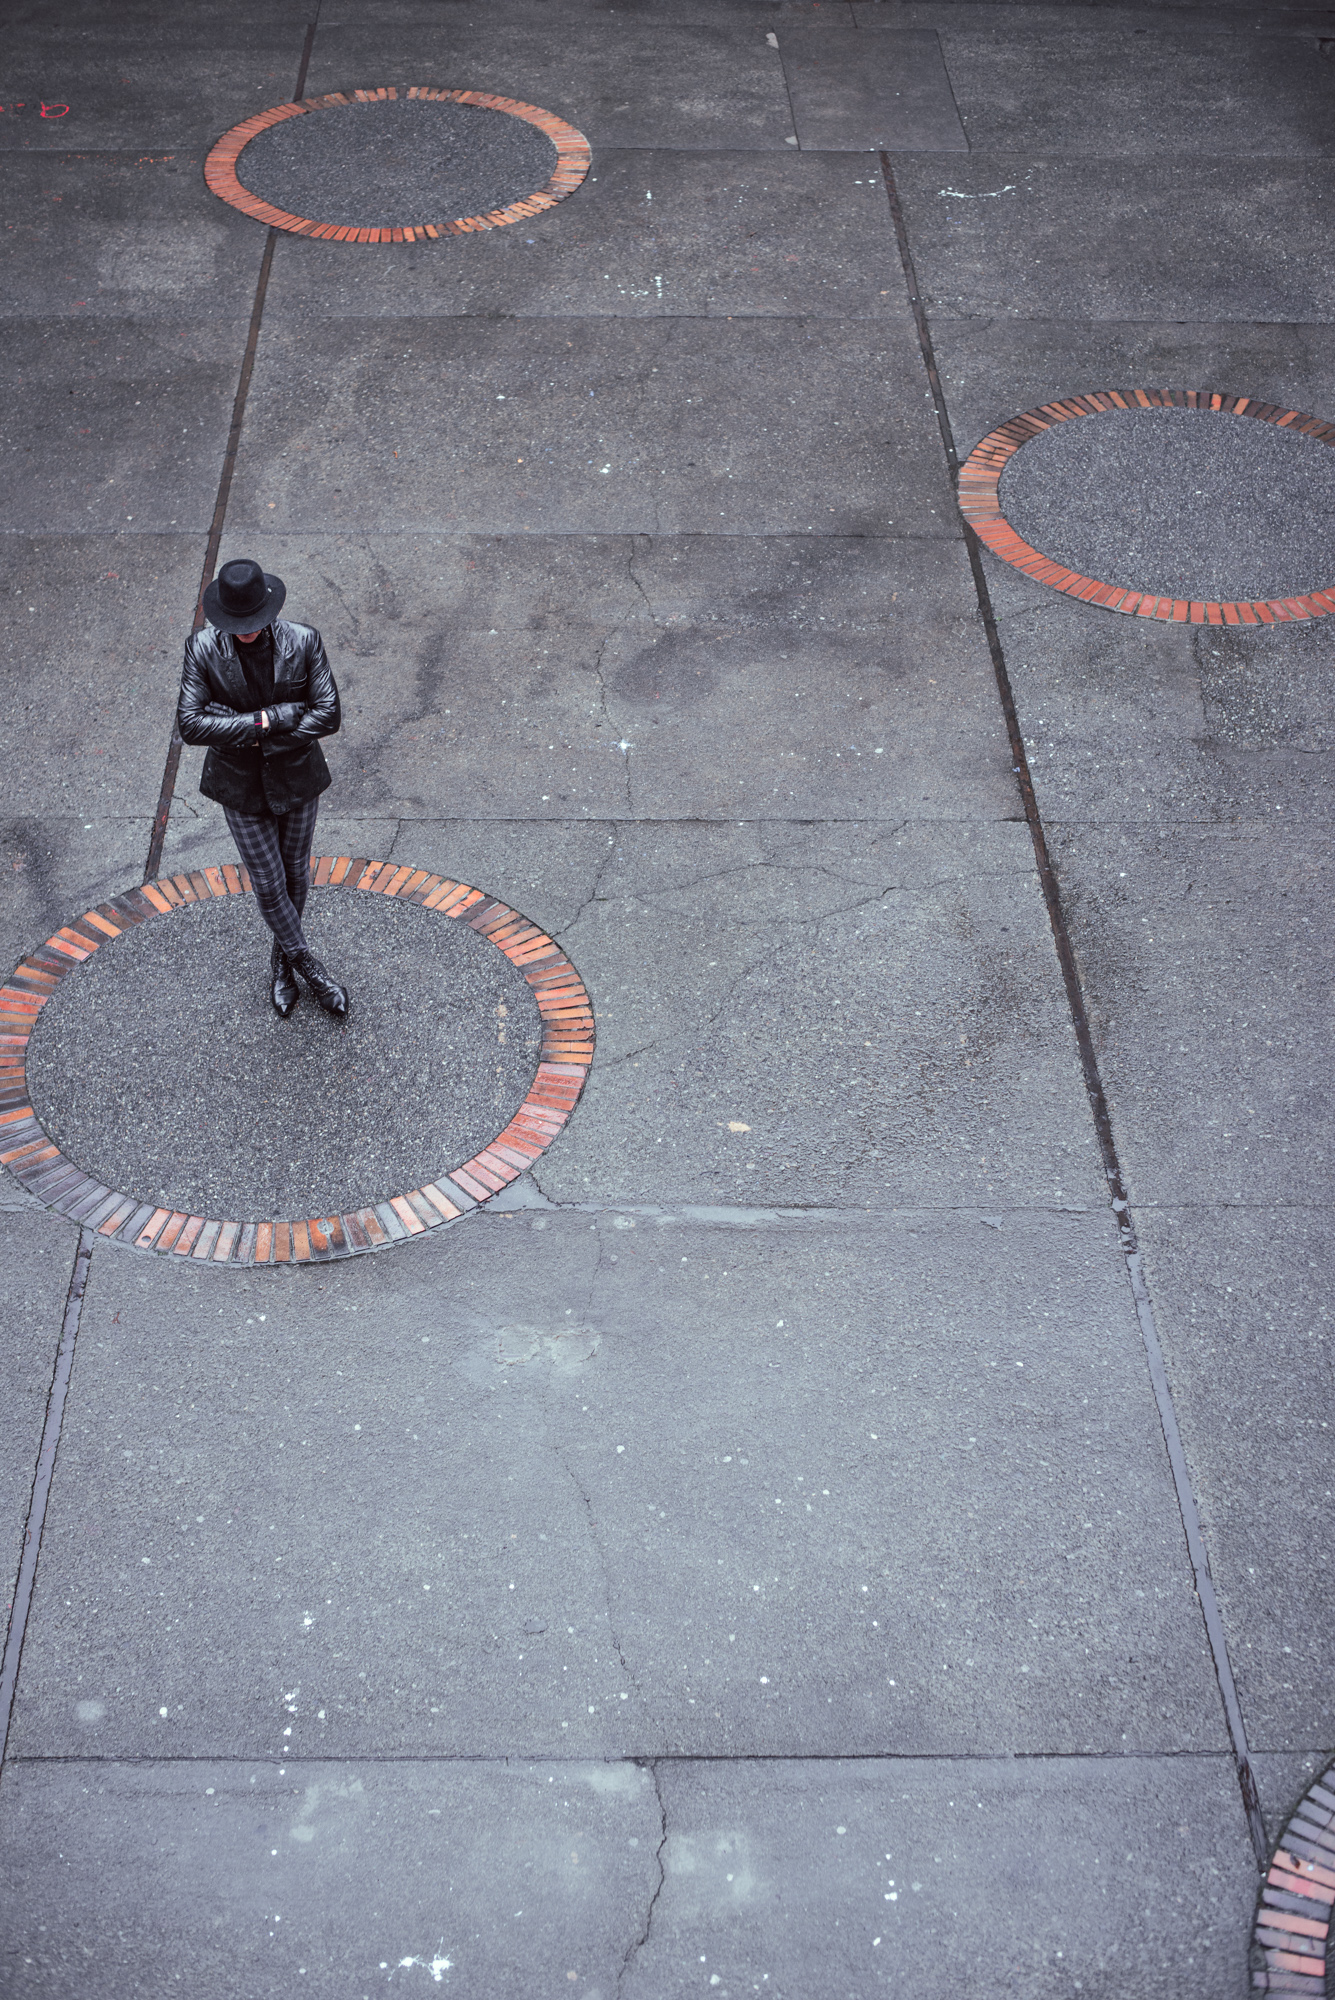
pixel 201 719
pixel 323 709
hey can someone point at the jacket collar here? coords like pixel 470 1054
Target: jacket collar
pixel 229 662
pixel 227 649
pixel 228 665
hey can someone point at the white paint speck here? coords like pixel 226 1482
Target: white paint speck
pixel 437 1966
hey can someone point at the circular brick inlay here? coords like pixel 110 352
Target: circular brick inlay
pixel 1293 1914
pixel 563 1058
pixel 980 503
pixel 573 157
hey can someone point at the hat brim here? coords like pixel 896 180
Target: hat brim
pixel 249 621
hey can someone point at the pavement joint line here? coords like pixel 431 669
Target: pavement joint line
pixel 141 1759
pixel 172 765
pixel 1197 1552
pixel 565 1057
pixel 41 1486
pixel 978 485
pixel 574 156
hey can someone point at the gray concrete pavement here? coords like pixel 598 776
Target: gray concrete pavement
pixel 747 1557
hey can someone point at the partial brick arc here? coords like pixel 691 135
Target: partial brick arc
pixel 564 1058
pixel 979 496
pixel 1293 1908
pixel 574 156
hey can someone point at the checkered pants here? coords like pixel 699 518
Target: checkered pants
pixel 276 849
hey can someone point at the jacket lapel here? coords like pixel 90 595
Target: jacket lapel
pixel 227 668
pixel 286 667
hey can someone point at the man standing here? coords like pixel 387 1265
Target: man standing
pixel 259 693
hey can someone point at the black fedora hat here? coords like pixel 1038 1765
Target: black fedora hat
pixel 242 598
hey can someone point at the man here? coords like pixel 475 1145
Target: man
pixel 258 691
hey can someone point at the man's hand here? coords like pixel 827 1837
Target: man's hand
pixel 285 715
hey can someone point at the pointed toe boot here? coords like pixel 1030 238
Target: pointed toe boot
pixel 283 988
pixel 331 996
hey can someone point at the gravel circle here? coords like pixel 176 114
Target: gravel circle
pixel 397 161
pixel 1184 503
pixel 160 1067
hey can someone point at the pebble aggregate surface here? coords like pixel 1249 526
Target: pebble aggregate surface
pixel 396 161
pixel 1189 503
pixel 160 1067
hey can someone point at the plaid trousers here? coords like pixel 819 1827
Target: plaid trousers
pixel 276 849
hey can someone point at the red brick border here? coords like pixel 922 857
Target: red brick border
pixel 1293 1915
pixel 573 158
pixel 563 1066
pixel 980 504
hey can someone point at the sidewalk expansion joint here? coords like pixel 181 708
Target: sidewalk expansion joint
pixel 41 1486
pixel 172 763
pixel 1197 1552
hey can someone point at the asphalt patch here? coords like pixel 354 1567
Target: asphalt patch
pixel 160 1067
pixel 1185 503
pixel 397 161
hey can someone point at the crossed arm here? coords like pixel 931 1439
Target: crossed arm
pixel 204 720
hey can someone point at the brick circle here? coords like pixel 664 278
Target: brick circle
pixel 563 1066
pixel 1293 1912
pixel 980 504
pixel 573 158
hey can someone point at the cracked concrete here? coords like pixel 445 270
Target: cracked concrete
pixel 743 1558
pixel 639 1944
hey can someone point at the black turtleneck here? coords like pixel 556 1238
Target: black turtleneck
pixel 257 666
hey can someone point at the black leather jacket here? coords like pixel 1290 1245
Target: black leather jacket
pixel 250 770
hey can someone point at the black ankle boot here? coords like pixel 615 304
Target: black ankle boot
pixel 331 996
pixel 283 988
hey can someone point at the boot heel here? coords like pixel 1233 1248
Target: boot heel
pixel 331 996
pixel 283 989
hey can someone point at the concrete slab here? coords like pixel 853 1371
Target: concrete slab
pixel 855 89
pixel 982 1517
pixel 1134 82
pixel 349 1876
pixel 1200 947
pixel 88 454
pixel 1282 1780
pixel 1006 234
pixel 590 427
pixel 531 1561
pixel 110 234
pixel 717 677
pixel 55 866
pixel 497 1876
pixel 994 371
pixel 649 235
pixel 36 1260
pixel 111 75
pixel 622 81
pixel 1244 1311
pixel 94 625
pixel 876 1039
pixel 1128 721
pixel 995 1872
